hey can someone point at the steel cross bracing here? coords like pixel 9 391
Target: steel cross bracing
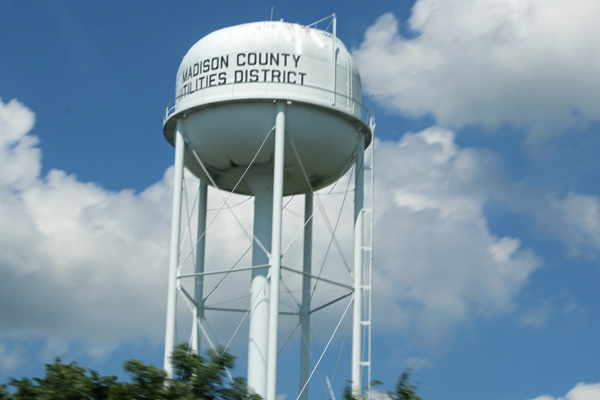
pixel 195 299
pixel 362 291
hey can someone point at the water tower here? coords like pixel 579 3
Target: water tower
pixel 268 109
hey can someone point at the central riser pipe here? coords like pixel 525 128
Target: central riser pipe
pixel 259 286
pixel 264 310
pixel 276 251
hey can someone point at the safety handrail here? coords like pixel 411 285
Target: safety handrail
pixel 366 114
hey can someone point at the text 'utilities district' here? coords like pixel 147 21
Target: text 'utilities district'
pixel 248 67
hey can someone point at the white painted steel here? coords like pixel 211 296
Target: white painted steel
pixel 334 62
pixel 199 270
pixel 174 251
pixel 231 86
pixel 358 270
pixel 330 388
pixel 370 259
pixel 226 117
pixel 276 251
pixel 262 186
pixel 368 227
pixel 267 60
pixel 305 307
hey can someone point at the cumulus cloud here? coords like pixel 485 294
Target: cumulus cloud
pixel 529 63
pixel 582 391
pixel 539 315
pixel 10 358
pixel 578 221
pixel 547 308
pixel 78 261
pixel 418 363
pixel 82 263
pixel 572 219
pixel 438 262
pixel 20 158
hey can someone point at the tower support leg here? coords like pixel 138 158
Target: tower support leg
pixel 305 307
pixel 199 279
pixel 174 251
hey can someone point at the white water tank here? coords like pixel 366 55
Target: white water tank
pixel 226 89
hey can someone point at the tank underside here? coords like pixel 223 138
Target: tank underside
pixel 227 138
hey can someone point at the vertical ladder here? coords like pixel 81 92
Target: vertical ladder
pixel 367 253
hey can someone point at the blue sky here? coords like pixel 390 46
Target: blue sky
pixel 488 207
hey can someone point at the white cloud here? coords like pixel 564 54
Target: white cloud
pixel 528 62
pixel 582 391
pixel 438 263
pixel 20 158
pixel 573 219
pixel 418 363
pixel 538 316
pixel 376 395
pixel 577 221
pixel 78 261
pixel 81 263
pixel 10 358
pixel 548 308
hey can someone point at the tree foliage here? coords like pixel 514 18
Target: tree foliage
pixel 404 389
pixel 196 378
